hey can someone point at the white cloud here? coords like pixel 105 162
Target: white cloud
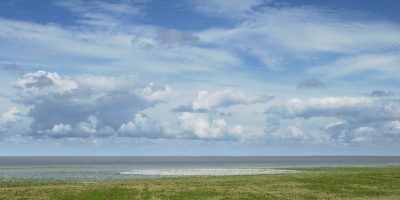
pixel 302 33
pixel 334 124
pixel 11 116
pixel 143 126
pixel 88 127
pixel 202 127
pixel 360 139
pixel 225 98
pixel 292 32
pixel 295 132
pixel 100 50
pixel 165 95
pixel 96 106
pixel 237 130
pixel 40 83
pixel 191 126
pixel 107 39
pixel 8 119
pixel 17 139
pixel 57 129
pixel 103 83
pixel 98 13
pixel 295 107
pixel 350 119
pixel 382 65
pixel 394 128
pixel 85 104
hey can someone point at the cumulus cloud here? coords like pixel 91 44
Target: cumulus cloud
pixel 327 106
pixel 293 132
pixel 237 130
pixel 57 129
pixel 143 126
pixel 8 119
pixel 394 128
pixel 198 126
pixel 157 95
pixel 311 83
pixel 381 93
pixel 86 104
pixel 361 119
pixel 191 126
pixel 41 83
pixel 171 37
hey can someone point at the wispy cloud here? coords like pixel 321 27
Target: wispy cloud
pixel 103 14
pixel 171 37
pixel 206 101
pixel 301 32
pixel 382 65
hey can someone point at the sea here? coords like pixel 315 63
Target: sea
pixel 89 169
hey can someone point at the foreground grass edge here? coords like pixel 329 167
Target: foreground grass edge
pixel 313 183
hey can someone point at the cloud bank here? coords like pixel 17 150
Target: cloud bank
pixel 84 105
pixel 352 119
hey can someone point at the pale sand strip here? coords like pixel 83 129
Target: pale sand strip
pixel 207 172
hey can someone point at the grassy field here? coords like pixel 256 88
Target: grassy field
pixel 314 183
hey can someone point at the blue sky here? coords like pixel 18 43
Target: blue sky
pixel 199 77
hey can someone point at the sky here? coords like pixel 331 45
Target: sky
pixel 199 78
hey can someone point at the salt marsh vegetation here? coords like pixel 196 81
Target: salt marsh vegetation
pixel 309 183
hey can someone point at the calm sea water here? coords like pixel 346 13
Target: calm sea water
pixel 94 169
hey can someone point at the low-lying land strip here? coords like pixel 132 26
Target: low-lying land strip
pixel 310 183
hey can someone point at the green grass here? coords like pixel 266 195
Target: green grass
pixel 314 183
